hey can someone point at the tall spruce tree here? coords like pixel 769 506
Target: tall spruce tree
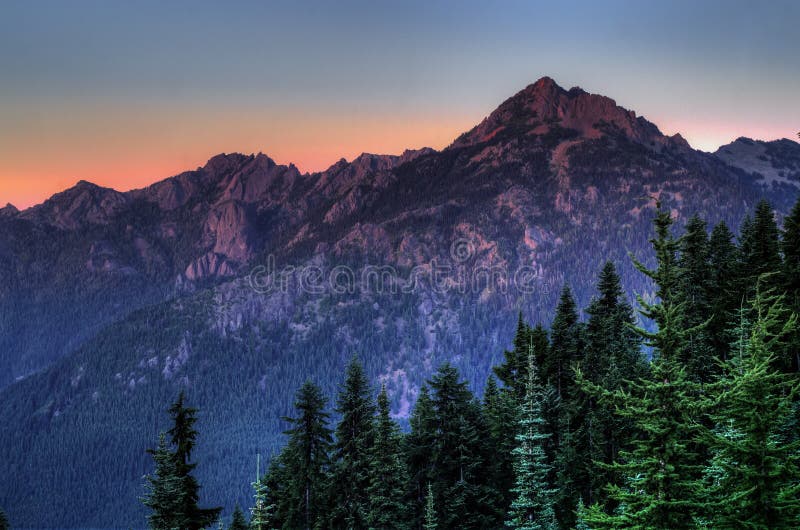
pixel 349 502
pixel 658 489
pixel 419 447
pixel 305 461
pixel 459 478
pixel 532 507
pixel 697 353
pixel 500 408
pixel 174 491
pixel 430 511
pixel 754 475
pixel 791 280
pixel 759 249
pixel 725 297
pixel 569 432
pixel 164 485
pixel 613 359
pixel 388 509
pixel 515 361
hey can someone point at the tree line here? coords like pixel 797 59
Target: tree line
pixel 684 418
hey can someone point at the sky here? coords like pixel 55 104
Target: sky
pixel 127 93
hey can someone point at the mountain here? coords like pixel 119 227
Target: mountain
pixel 241 278
pixel 775 164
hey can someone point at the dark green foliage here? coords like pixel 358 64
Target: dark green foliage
pixel 697 353
pixel 302 467
pixel 724 296
pixel 238 522
pixel 430 511
pixel 791 280
pixel 174 491
pixel 501 410
pixel 759 248
pixel 754 473
pixel 3 520
pixel 512 372
pixel 349 505
pixel 532 506
pixel 419 449
pixel 658 488
pixel 388 478
pixel 613 359
pixel 459 471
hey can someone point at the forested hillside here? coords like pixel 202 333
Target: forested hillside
pixel 577 427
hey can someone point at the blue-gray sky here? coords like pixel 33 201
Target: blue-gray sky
pixel 125 93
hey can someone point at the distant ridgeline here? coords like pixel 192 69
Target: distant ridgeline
pixel 576 428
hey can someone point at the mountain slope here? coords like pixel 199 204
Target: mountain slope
pixel 240 279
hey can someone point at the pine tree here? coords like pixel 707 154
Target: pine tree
pixel 174 491
pixel 459 480
pixel 724 298
pixel 164 496
pixel 569 433
pixel 759 250
pixel 3 520
pixel 419 448
pixel 565 349
pixel 387 473
pixel 754 475
pixel 791 280
pixel 238 522
pixel 500 408
pixel 658 489
pixel 532 507
pixel 697 353
pixel 430 511
pixel 305 461
pixel 580 524
pixel 613 358
pixel 512 371
pixel 351 452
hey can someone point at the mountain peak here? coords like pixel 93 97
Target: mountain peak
pixel 8 210
pixel 544 104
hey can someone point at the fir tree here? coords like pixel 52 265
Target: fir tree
pixel 387 473
pixel 501 412
pixel 515 362
pixel 613 358
pixel 305 461
pixel 351 452
pixel 460 473
pixel 658 488
pixel 238 522
pixel 430 511
pixel 174 491
pixel 791 280
pixel 754 475
pixel 724 296
pixel 532 507
pixel 164 497
pixel 569 432
pixel 697 353
pixel 419 447
pixel 759 248
pixel 3 520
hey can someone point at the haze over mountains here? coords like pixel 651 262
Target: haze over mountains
pixel 111 302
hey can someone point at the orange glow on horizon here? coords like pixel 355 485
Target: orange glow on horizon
pixel 49 152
